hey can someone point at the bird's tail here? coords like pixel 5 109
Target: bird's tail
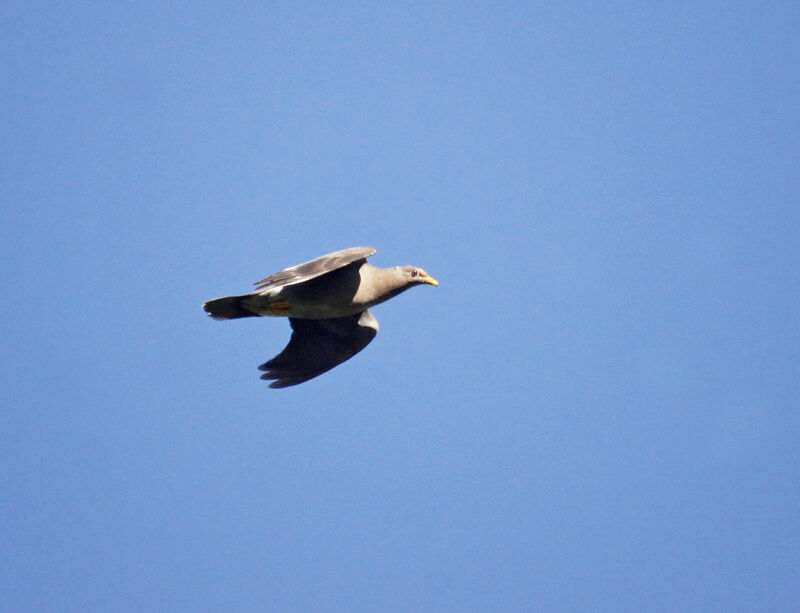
pixel 229 307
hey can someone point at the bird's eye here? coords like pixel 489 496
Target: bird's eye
pixel 414 272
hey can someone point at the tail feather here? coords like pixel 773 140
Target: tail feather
pixel 229 307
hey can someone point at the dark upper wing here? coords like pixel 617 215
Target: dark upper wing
pixel 317 345
pixel 315 268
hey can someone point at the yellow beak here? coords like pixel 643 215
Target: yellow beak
pixel 430 280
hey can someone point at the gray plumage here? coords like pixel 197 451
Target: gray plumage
pixel 327 302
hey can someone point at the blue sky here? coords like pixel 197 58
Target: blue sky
pixel 597 410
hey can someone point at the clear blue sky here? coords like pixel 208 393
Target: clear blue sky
pixel 597 410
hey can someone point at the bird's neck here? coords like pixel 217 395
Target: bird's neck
pixel 386 283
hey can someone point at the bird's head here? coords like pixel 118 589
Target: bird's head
pixel 416 276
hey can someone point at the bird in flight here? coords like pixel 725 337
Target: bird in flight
pixel 327 301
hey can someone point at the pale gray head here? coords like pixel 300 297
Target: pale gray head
pixel 415 276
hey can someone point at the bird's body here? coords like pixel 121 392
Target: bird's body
pixel 334 294
pixel 327 302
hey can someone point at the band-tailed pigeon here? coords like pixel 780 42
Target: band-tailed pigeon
pixel 327 302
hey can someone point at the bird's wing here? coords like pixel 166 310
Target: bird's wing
pixel 315 268
pixel 317 345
